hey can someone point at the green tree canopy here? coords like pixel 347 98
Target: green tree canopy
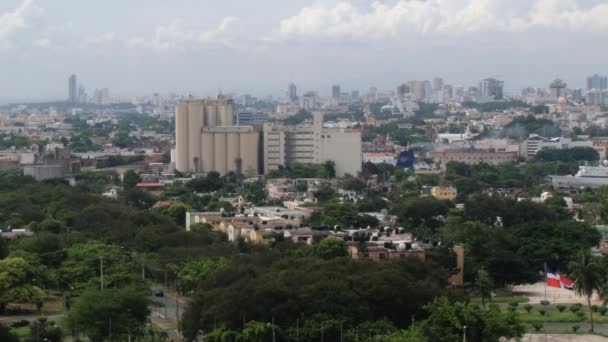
pixel 116 312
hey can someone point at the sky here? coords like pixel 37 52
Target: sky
pixel 139 47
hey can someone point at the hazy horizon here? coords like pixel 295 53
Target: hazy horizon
pixel 144 46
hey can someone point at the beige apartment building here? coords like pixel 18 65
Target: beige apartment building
pixel 207 140
pixel 474 157
pixel 312 144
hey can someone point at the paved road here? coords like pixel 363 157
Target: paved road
pixel 165 315
pixel 29 318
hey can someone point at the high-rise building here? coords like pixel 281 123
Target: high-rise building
pixel 292 93
pixel 82 94
pixel 557 88
pixel 448 92
pixel 491 88
pixel 312 145
pixel 309 101
pixel 437 84
pixel 73 89
pixel 597 82
pixel 355 96
pixel 417 88
pixel 207 140
pixel 250 117
pixel 335 92
pixel 402 90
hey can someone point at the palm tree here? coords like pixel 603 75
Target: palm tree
pixel 586 276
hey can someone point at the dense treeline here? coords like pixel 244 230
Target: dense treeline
pixel 567 155
pixel 296 287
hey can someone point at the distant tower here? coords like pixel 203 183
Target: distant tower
pixel 557 88
pixel 73 89
pixel 292 92
pixel 491 88
pixel 335 92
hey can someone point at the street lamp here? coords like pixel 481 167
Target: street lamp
pixel 464 333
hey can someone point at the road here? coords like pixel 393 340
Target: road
pixel 165 316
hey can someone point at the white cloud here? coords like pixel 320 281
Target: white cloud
pixel 379 20
pixel 42 43
pixel 11 22
pixel 175 35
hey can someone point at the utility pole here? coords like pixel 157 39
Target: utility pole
pixel 321 332
pixel 101 270
pixel 177 309
pixel 274 337
pixel 298 330
pixel 165 291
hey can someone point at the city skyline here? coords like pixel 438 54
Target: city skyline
pixel 314 44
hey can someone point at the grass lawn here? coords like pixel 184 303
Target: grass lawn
pixel 503 299
pixel 21 332
pixel 554 316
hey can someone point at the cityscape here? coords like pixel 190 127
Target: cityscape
pixel 197 185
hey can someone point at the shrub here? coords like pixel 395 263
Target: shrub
pixel 560 307
pixel 602 310
pixel 595 308
pixel 511 308
pixel 580 314
pixel 542 312
pixel 528 308
pixel 575 328
pixel 19 324
pixel 537 326
pixel 514 304
pixel 545 302
pixel 575 308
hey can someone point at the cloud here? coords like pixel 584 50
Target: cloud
pixel 42 43
pixel 176 35
pixel 11 22
pixel 445 17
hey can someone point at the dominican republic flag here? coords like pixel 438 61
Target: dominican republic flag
pixel 555 279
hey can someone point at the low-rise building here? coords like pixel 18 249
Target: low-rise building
pixel 474 157
pixel 444 192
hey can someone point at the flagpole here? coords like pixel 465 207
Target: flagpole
pixel 545 326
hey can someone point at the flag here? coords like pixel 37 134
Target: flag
pixel 555 279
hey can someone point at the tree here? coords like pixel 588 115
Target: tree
pixel 330 169
pixel 330 248
pixel 118 312
pixel 485 285
pixel 257 332
pixel 447 320
pixel 190 273
pixel 586 277
pixel 178 212
pixel 44 330
pixel 16 283
pixel 130 179
pixel 413 334
pixel 6 335
pixel 81 269
pixel 326 193
pixel 139 199
pixel 3 249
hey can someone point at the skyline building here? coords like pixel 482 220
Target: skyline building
pixel 73 89
pixel 206 139
pixel 312 144
pixel 437 84
pixel 491 88
pixel 335 92
pixel 292 93
pixel 557 88
pixel 597 82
